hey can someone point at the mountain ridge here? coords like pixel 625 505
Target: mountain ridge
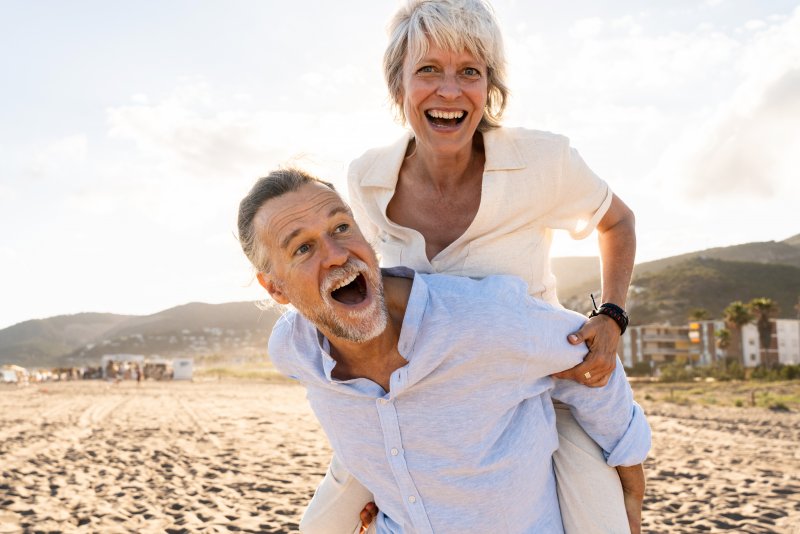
pixel 661 291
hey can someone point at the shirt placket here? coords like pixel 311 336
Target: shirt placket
pixel 395 455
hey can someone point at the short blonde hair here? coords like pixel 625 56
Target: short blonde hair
pixel 453 25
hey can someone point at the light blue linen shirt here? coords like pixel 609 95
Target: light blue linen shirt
pixel 463 440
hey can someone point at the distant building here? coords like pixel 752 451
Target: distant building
pixel 703 338
pixel 656 344
pixel 788 341
pixel 696 344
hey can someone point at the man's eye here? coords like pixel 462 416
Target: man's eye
pixel 302 249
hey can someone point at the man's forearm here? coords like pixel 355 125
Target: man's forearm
pixel 633 485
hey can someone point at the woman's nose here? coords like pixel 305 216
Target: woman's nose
pixel 449 87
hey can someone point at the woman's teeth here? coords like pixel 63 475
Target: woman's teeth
pixel 437 114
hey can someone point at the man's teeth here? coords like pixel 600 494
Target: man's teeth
pixel 344 282
pixel 437 114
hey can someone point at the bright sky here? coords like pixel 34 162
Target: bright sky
pixel 129 131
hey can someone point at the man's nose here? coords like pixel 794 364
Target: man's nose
pixel 334 254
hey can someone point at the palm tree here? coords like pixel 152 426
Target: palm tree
pixel 736 315
pixel 723 336
pixel 762 310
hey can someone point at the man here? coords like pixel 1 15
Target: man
pixel 434 390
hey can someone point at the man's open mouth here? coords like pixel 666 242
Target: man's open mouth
pixel 351 290
pixel 445 118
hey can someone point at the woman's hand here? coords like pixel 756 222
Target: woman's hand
pixel 601 335
pixel 368 515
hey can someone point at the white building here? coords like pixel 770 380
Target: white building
pixel 751 346
pixel 787 332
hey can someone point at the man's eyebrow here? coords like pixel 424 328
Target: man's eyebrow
pixel 336 210
pixel 339 209
pixel 288 238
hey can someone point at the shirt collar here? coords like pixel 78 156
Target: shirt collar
pixel 501 148
pixel 417 302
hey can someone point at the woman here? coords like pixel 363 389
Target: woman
pixel 460 194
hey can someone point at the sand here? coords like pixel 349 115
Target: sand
pixel 246 456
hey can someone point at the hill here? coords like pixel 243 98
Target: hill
pixel 669 294
pixel 44 339
pixel 236 329
pixel 765 254
pixel 662 290
pixel 786 252
pixel 576 271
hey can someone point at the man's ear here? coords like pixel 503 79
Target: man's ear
pixel 266 281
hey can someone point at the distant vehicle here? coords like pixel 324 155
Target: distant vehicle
pixel 182 368
pixel 14 374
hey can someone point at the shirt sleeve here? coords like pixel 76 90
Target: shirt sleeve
pixel 546 349
pixel 610 417
pixel 280 347
pixel 582 198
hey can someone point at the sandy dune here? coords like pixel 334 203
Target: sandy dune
pixel 232 456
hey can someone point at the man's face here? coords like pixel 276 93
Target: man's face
pixel 321 264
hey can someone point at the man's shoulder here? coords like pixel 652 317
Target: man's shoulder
pixel 496 289
pixel 504 295
pixel 291 345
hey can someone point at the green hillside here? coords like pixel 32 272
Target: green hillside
pixel 47 339
pixel 662 290
pixel 195 329
pixel 762 254
pixel 669 294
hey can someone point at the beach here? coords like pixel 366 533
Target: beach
pixel 245 456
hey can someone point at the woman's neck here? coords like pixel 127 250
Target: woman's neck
pixel 443 170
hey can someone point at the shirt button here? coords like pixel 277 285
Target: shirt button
pixel 395 452
pixel 412 499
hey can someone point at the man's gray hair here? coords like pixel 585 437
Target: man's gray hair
pixel 275 184
pixel 453 25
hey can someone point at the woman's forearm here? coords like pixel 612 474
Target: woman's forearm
pixel 617 239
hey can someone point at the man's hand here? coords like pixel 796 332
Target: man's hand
pixel 368 515
pixel 601 335
pixel 633 484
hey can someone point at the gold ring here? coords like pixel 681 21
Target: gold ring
pixel 588 375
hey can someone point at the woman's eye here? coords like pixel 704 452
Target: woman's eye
pixel 426 69
pixel 470 71
pixel 302 249
pixel 342 228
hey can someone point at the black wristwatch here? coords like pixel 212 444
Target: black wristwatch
pixel 611 310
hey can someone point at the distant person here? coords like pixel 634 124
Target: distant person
pixel 434 390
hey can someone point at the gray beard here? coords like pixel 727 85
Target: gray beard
pixel 360 326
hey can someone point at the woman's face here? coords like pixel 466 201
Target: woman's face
pixel 443 97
